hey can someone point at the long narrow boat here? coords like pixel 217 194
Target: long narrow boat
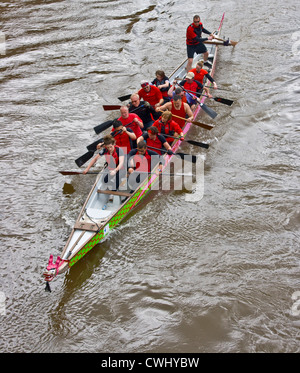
pixel 94 223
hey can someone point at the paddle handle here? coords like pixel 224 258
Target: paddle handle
pixel 203 125
pixel 231 42
pixel 77 172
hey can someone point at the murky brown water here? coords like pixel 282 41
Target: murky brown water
pixel 219 275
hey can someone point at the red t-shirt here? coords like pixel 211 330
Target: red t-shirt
pixel 156 144
pixel 199 76
pixel 168 128
pixel 193 86
pixel 123 140
pixel 134 126
pixel 153 96
pixel 114 158
pixel 141 162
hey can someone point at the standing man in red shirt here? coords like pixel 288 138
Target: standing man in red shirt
pixel 194 41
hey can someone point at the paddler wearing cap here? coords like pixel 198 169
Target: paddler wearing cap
pixel 173 91
pixel 190 85
pixel 151 94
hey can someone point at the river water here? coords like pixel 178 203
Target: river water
pixel 217 275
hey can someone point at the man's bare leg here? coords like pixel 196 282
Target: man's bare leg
pixel 189 64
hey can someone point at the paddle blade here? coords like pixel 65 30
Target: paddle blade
pixel 70 172
pixel 111 107
pixel 196 143
pixel 208 110
pixel 224 42
pixel 103 126
pixel 203 125
pixel 84 158
pixel 48 288
pixel 124 98
pixel 93 147
pixel 223 100
pixel 77 172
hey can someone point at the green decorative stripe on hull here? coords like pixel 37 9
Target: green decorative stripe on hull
pixel 115 220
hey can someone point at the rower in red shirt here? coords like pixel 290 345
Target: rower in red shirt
pixel 131 120
pixel 151 94
pixel 124 136
pixel 141 162
pixel 115 159
pixel 155 141
pixel 193 89
pixel 139 159
pixel 200 73
pixel 180 109
pixel 167 126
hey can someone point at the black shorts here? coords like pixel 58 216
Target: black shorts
pixel 198 49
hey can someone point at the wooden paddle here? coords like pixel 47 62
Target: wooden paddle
pixel 103 126
pixel 221 89
pixel 91 150
pixel 88 155
pixel 224 101
pixel 231 42
pixel 116 107
pixel 199 124
pixel 84 158
pixel 67 173
pixel 111 107
pixel 163 173
pixel 192 142
pixel 77 172
pixel 217 42
pixel 93 147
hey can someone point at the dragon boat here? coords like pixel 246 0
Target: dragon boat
pixel 94 223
